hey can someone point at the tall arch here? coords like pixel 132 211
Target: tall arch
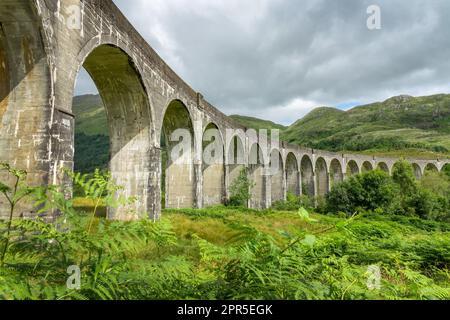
pixel 322 178
pixel 177 141
pixel 336 174
pixel 276 176
pixel 292 174
pixel 417 171
pixel 431 167
pixel 307 173
pixel 213 166
pixel 352 168
pixel 256 173
pixel 366 166
pixel 120 86
pixel 383 167
pixel 235 162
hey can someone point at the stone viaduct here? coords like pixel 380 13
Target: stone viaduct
pixel 43 45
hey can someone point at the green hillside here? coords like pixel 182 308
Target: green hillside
pixel 256 123
pixel 399 126
pixel 403 125
pixel 90 115
pixel 91 134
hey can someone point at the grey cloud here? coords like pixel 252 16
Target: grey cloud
pixel 259 58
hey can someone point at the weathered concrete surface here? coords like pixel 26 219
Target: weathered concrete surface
pixel 277 177
pixel 292 174
pixel 213 166
pixel 41 54
pixel 322 177
pixel 307 176
pixel 259 177
pixel 336 172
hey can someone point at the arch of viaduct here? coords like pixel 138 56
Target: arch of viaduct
pixel 40 57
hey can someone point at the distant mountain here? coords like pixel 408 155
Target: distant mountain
pixel 90 115
pixel 403 125
pixel 91 134
pixel 400 126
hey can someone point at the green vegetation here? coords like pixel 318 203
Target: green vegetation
pixel 218 253
pixel 240 190
pixel 91 134
pixel 90 115
pixel 400 126
pixel 91 152
pixel 294 203
pixel 368 191
pixel 400 194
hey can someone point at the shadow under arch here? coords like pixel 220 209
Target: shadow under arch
pixel 431 167
pixel 130 126
pixel 366 167
pixel 213 166
pixel 336 173
pixel 276 176
pixel 322 178
pixel 352 168
pixel 177 157
pixel 307 174
pixel 256 173
pixel 383 167
pixel 417 171
pixel 235 161
pixel 292 174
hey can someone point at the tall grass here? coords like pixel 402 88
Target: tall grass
pixel 221 253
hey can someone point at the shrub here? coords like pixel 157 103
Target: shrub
pixel 240 190
pixel 434 190
pixel 293 203
pixel 403 175
pixel 367 191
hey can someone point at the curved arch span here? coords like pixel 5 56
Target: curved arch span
pixel 213 166
pixel 336 174
pixel 177 157
pixel 383 167
pixel 292 174
pixel 131 133
pixel 307 175
pixel 367 166
pixel 322 178
pixel 256 174
pixel 276 176
pixel 352 168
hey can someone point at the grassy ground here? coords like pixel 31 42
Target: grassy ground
pixel 412 254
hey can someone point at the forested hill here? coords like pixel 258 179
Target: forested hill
pixel 399 126
pixel 91 134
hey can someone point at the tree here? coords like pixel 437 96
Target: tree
pixel 403 175
pixel 367 191
pixel 240 190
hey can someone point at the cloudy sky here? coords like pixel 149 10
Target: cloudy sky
pixel 278 59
